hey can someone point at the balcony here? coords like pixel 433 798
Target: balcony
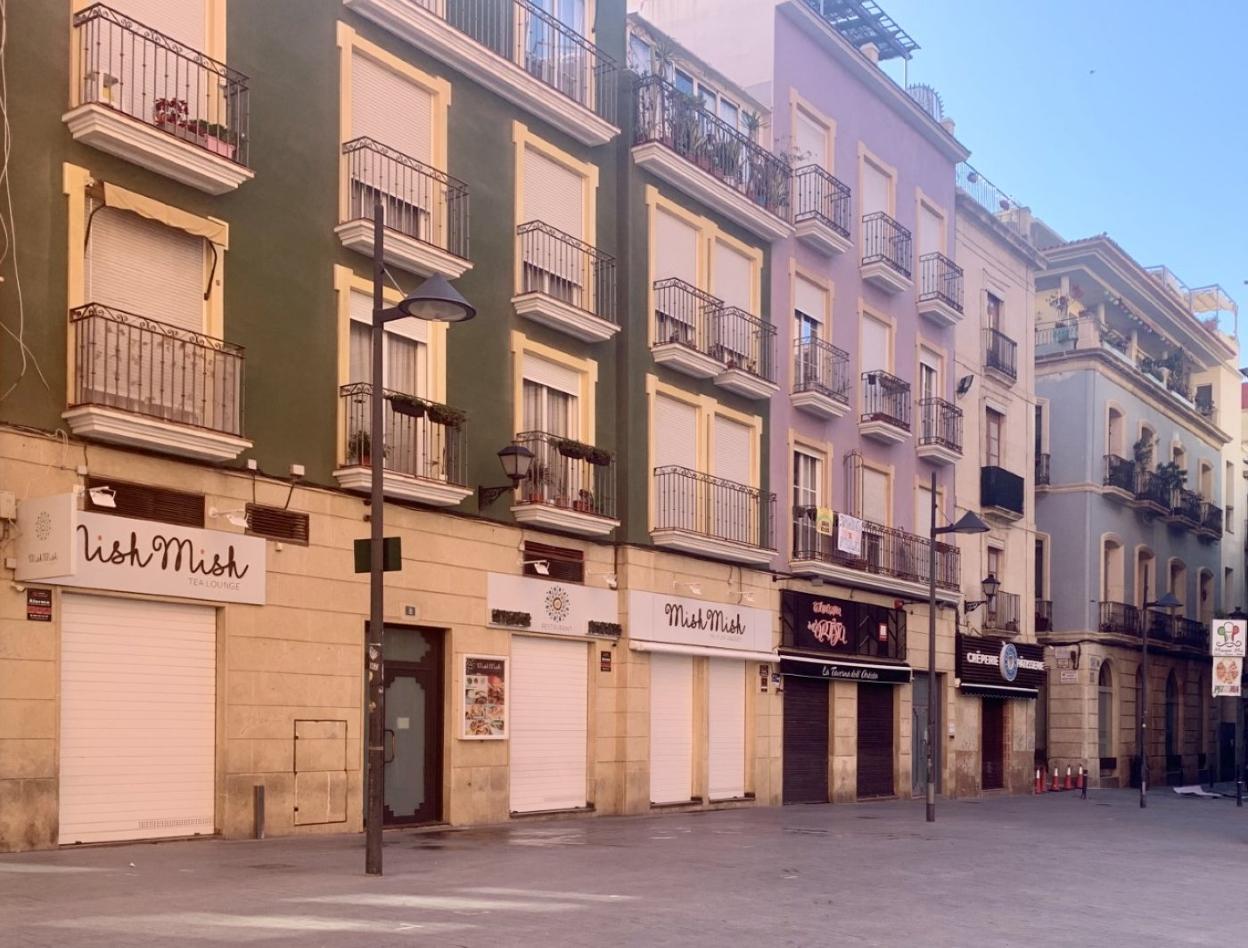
pixel 1152 495
pixel 565 284
pixel 424 447
pixel 885 407
pixel 570 487
pixel 146 384
pixel 1044 615
pixel 1185 509
pixel 940 289
pixel 1044 475
pixel 821 209
pixel 516 50
pixel 713 517
pixel 426 210
pixel 746 347
pixel 1120 480
pixel 1004 613
pixel 145 98
pixel 887 251
pixel 1000 493
pixel 1120 618
pixel 1204 402
pixel 691 149
pixel 1001 355
pixel 686 325
pixel 883 558
pixel 1211 520
pixel 940 432
pixel 820 378
pixel 1190 633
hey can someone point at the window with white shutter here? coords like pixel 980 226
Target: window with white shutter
pixel 675 251
pixel 810 138
pixel 732 277
pixel 732 450
pixel 875 345
pixel 184 21
pixel 675 433
pixel 931 230
pixel 390 109
pixel 875 499
pixel 811 300
pixel 554 195
pixel 877 186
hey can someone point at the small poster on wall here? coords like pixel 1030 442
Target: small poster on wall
pixel 1227 674
pixel 485 698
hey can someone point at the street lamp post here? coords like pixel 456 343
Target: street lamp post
pixel 1167 602
pixel 1240 615
pixel 436 300
pixel 968 523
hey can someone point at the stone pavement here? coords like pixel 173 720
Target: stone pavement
pixel 1047 871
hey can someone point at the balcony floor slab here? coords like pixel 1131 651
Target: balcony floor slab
pixel 403 486
pixel 115 426
pixel 568 520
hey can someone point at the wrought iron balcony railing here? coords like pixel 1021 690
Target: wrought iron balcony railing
pixel 1001 489
pixel 422 438
pixel 886 241
pixel 1211 518
pixel 545 47
pixel 1152 491
pixel 1204 402
pixel 1004 613
pixel 1190 632
pixel 885 551
pixel 1120 617
pixel 1044 465
pixel 420 202
pixel 670 117
pixel 745 342
pixel 1120 473
pixel 941 423
pixel 940 279
pixel 1001 353
pixel 568 473
pixel 570 270
pixel 1186 505
pixel 821 367
pixel 819 196
pixel 685 315
pixel 135 70
pixel 139 365
pixel 1044 615
pixel 709 506
pixel 885 398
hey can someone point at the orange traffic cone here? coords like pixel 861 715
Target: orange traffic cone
pixel 1039 781
pixel 1068 785
pixel 1054 788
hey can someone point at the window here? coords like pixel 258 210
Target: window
pixel 994 422
pixel 877 188
pixel 929 374
pixel 683 81
pixel 549 394
pixel 640 56
pixel 546 52
pixel 1178 584
pixel 876 505
pixel 1111 567
pixel 1205 481
pixel 561 563
pixel 931 235
pixel 1040 432
pixel 923 515
pixel 1228 498
pixel 1204 596
pixel 555 192
pixel 1042 584
pixel 993 308
pixel 876 344
pixel 996 562
pixel 807 498
pixel 730 112
pixel 1105 712
pixel 810 140
pixel 1114 433
pixel 1145 578
pixel 405 357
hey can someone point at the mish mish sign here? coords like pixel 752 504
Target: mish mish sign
pixel 694 622
pixel 68 547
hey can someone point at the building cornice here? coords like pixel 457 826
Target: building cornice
pixel 967 205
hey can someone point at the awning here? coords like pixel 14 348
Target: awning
pixel 211 229
pixel 702 650
pixel 997 691
pixel 804 667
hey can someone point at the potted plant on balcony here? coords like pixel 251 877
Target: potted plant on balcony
pixel 598 457
pixel 573 450
pixel 170 114
pixel 215 137
pixel 445 415
pixel 539 477
pixel 360 449
pixel 584 502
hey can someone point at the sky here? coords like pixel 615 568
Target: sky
pixel 1123 116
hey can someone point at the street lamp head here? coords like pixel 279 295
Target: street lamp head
pixel 967 523
pixel 436 300
pixel 1168 601
pixel 516 460
pixel 1238 614
pixel 990 585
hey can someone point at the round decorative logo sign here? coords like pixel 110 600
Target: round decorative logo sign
pixel 557 604
pixel 1008 661
pixel 43 526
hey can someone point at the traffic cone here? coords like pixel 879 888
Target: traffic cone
pixel 1039 781
pixel 1068 785
pixel 1054 788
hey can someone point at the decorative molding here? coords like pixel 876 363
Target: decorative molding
pixel 555 313
pixel 882 431
pixel 712 547
pixel 414 256
pixel 115 426
pixel 563 518
pixel 403 486
pixel 746 384
pixel 940 312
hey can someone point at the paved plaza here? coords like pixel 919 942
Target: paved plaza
pixel 1047 871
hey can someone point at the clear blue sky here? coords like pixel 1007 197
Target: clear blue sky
pixel 1151 147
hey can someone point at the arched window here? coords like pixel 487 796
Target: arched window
pixel 1113 433
pixel 1172 716
pixel 1105 711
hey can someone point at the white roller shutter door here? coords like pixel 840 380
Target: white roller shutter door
pixel 726 768
pixel 552 375
pixel 138 719
pixel 549 729
pixel 931 231
pixel 180 20
pixel 875 189
pixel 732 450
pixel 390 109
pixel 671 728
pixel 811 140
pixel 733 277
pixel 553 194
pixel 675 251
pixel 811 299
pixel 675 433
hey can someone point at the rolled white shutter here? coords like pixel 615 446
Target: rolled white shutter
pixel 874 345
pixel 875 496
pixel 675 249
pixel 671 728
pixel 549 724
pixel 811 140
pixel 675 433
pixel 553 194
pixel 361 310
pixel 142 267
pixel 875 189
pixel 811 299
pixel 732 450
pixel 732 277
pixel 552 375
pixel 182 20
pixel 931 231
pixel 726 699
pixel 390 109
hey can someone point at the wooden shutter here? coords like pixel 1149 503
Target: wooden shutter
pixel 675 433
pixel 876 187
pixel 390 109
pixel 671 728
pixel 142 267
pixel 811 299
pixel 181 20
pixel 732 277
pixel 811 140
pixel 805 777
pixel 875 506
pixel 875 740
pixel 732 450
pixel 726 733
pixel 553 194
pixel 675 251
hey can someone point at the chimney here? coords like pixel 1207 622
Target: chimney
pixel 949 125
pixel 871 51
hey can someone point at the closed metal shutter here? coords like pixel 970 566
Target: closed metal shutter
pixel 549 729
pixel 675 249
pixel 992 744
pixel 675 433
pixel 181 20
pixel 726 769
pixel 391 110
pixel 875 740
pixel 811 140
pixel 732 450
pixel 138 719
pixel 876 187
pixel 553 194
pixel 671 728
pixel 805 740
pixel 733 277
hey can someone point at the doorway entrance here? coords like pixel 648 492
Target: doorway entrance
pixel 413 736
pixel 920 689
pixel 992 744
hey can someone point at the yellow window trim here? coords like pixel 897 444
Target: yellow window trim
pixel 798 103
pixel 586 368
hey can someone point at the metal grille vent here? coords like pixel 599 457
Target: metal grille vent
pixel 149 503
pixel 274 523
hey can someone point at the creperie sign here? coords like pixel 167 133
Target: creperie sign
pixel 982 658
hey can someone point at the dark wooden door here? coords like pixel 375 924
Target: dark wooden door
pixel 992 744
pixel 875 740
pixel 805 740
pixel 413 736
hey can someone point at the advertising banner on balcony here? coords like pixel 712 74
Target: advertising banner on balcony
pixel 1227 638
pixel 849 535
pixel 1228 673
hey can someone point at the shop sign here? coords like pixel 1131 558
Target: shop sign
pixel 1013 667
pixel 1227 675
pixel 45 537
pixel 678 621
pixel 485 698
pixel 38 605
pixel 846 671
pixel 840 626
pixel 1227 638
pixel 539 605
pixel 99 551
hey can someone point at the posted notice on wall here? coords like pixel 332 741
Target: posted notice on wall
pixel 485 698
pixel 1227 674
